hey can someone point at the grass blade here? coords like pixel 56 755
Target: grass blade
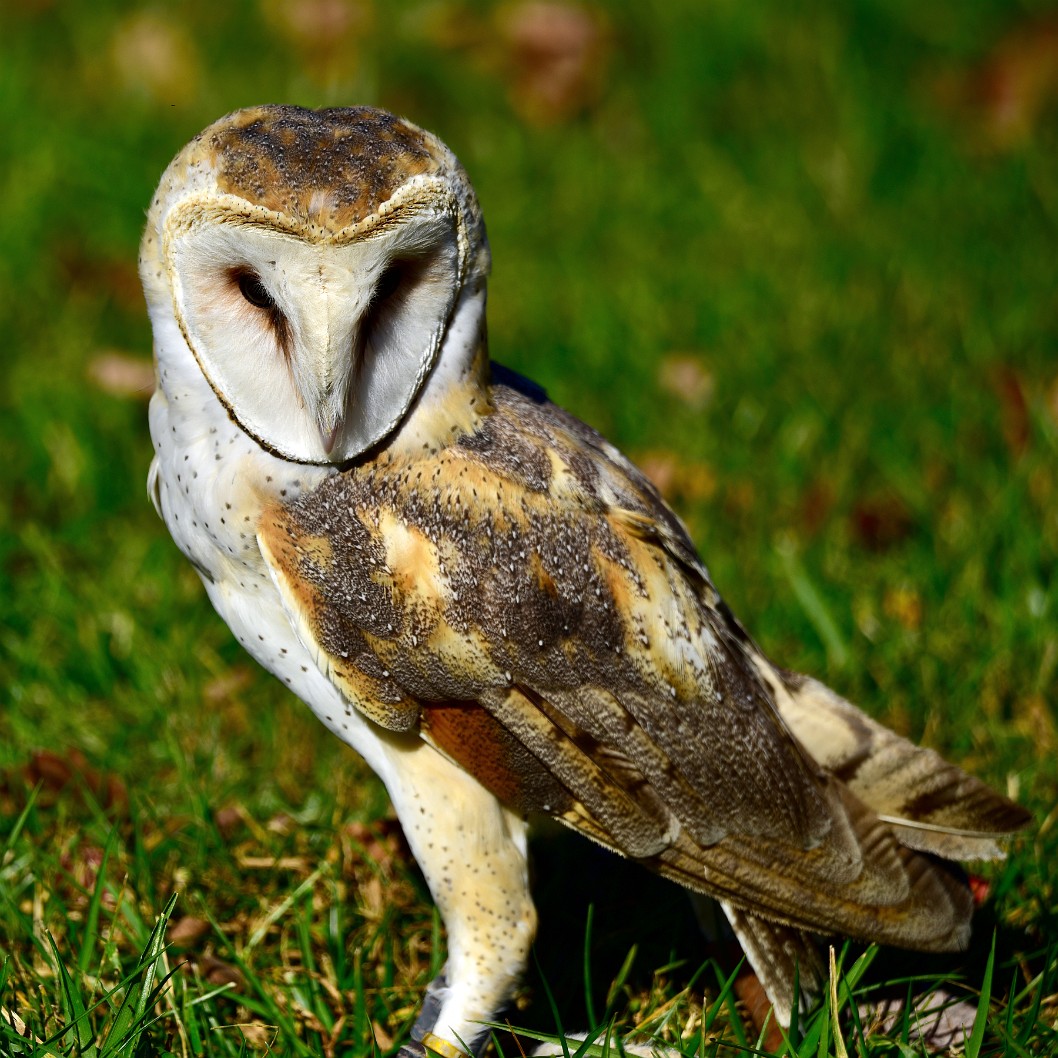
pixel 91 926
pixel 589 1004
pixel 977 1034
pixel 73 1006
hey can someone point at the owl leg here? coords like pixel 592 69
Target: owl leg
pixel 472 852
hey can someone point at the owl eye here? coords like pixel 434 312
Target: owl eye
pixel 389 282
pixel 255 292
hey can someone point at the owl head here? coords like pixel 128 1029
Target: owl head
pixel 323 268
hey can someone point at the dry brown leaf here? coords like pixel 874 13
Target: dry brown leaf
pixel 330 1048
pixel 282 863
pixel 382 1037
pixel 154 55
pixel 816 505
pixel 320 26
pixel 16 1023
pixel 187 931
pixel 228 684
pixel 122 375
pixel 82 862
pixel 382 842
pixel 95 277
pixel 372 898
pixel 1052 401
pixel 751 994
pixel 229 820
pixel 329 35
pixel 1017 427
pixel 686 378
pixel 258 1035
pixel 662 469
pixel 217 972
pixel 940 1020
pixel 281 823
pixel 557 54
pixel 881 522
pixel 59 773
pixel 675 479
pixel 1005 96
pixel 904 605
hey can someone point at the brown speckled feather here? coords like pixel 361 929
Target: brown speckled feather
pixel 526 598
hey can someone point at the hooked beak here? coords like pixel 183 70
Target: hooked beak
pixel 329 421
pixel 329 436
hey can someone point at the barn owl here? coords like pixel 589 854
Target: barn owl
pixel 480 594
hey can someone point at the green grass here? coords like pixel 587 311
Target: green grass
pixel 810 202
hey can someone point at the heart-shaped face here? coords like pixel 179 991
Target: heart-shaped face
pixel 311 275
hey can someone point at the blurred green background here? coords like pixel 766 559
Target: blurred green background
pixel 799 261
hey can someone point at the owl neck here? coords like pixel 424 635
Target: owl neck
pixel 455 396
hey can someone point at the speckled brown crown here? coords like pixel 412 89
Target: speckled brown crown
pixel 330 167
pixel 322 175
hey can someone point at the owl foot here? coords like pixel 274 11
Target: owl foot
pixel 431 1007
pixel 424 1043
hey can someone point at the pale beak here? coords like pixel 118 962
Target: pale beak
pixel 330 426
pixel 328 437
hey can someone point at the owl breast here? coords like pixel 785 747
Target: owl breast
pixel 210 482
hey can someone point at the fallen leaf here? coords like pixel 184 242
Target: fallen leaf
pixel 82 862
pixel 685 378
pixel 751 994
pixel 327 33
pixel 939 1021
pixel 1052 401
pixel 56 773
pixel 121 375
pixel 229 820
pixel 258 1035
pixel 281 863
pixel 1004 96
pixel 903 605
pixel 282 823
pixel 217 972
pixel 186 932
pixel 382 1038
pixel 155 56
pixel 557 56
pixel 816 505
pixel 881 522
pixel 382 841
pixel 1017 428
pixel 676 479
pixel 228 684
pixel 90 275
pixel 16 1023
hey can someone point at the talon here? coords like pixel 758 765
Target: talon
pixel 431 1007
pixel 442 1047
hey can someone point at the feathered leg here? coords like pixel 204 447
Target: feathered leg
pixel 472 851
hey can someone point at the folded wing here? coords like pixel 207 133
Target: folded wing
pixel 526 601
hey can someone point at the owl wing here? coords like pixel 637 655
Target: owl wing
pixel 525 600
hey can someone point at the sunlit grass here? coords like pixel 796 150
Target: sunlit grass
pixel 816 210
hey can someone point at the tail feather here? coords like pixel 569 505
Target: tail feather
pixel 894 895
pixel 781 957
pixel 930 805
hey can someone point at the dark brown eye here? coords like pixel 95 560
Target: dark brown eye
pixel 388 282
pixel 255 292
